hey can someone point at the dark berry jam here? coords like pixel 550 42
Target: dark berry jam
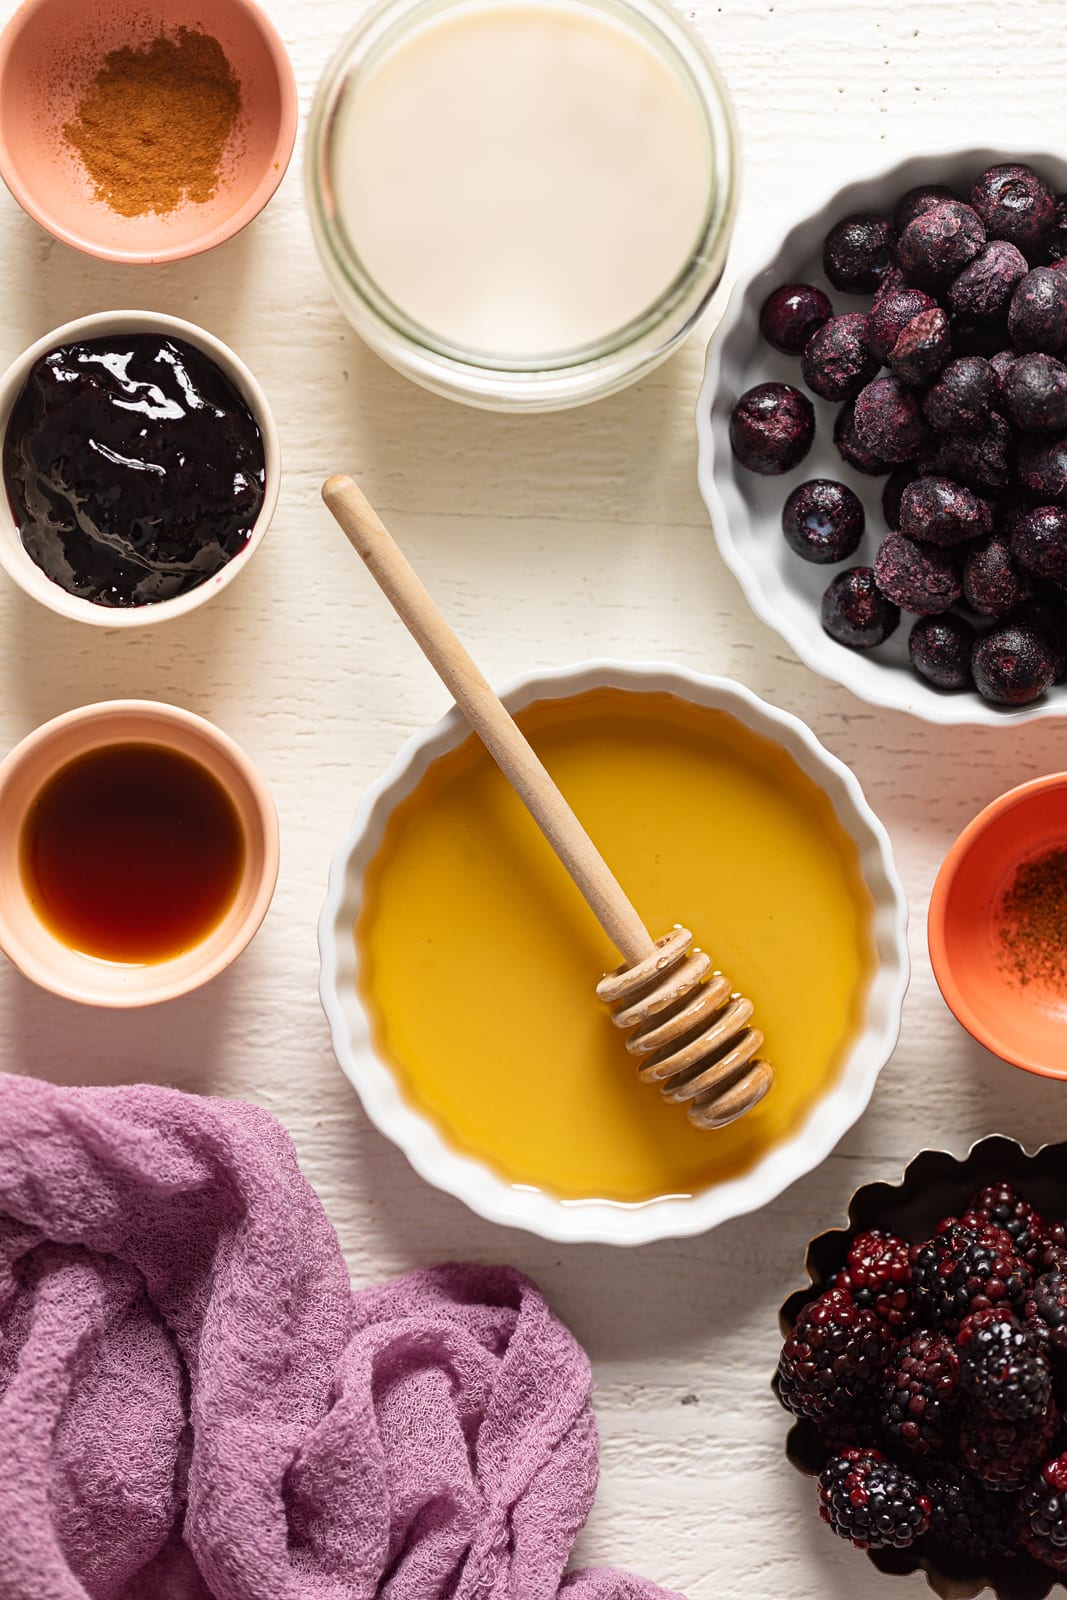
pixel 133 467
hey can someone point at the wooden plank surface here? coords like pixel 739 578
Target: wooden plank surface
pixel 593 520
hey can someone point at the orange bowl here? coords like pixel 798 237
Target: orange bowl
pixel 50 52
pixel 1023 1022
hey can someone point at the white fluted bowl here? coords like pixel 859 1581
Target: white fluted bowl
pixel 604 1222
pixel 746 509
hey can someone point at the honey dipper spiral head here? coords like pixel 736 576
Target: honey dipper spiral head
pixel 689 1031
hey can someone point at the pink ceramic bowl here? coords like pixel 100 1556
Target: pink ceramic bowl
pixel 51 50
pixel 26 940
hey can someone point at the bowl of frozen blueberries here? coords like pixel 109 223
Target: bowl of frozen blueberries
pixel 883 437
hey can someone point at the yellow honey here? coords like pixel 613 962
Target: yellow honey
pixel 478 958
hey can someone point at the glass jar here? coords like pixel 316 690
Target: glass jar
pixel 505 380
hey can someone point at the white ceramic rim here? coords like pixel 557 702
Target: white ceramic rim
pixel 28 575
pixel 229 227
pixel 876 682
pixel 602 1222
pixel 172 727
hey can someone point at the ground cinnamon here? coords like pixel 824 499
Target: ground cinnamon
pixel 1033 930
pixel 153 126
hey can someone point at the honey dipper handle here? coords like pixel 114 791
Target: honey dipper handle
pixel 487 716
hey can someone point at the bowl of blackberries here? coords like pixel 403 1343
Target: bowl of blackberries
pixel 883 437
pixel 925 1367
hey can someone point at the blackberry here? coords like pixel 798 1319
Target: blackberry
pixel 1004 1454
pixel 1046 1312
pixel 877 1274
pixel 1043 1515
pixel 967 1515
pixel 835 1354
pixel 1000 1203
pixel 1002 1367
pixel 966 1269
pixel 872 1502
pixel 921 1401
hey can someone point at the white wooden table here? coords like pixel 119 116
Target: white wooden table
pixel 546 539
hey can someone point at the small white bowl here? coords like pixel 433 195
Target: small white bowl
pixel 603 1222
pixel 746 509
pixel 13 556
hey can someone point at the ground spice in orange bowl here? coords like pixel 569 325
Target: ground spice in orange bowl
pixel 997 927
pixel 144 130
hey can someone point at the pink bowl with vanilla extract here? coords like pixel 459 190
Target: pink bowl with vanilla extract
pixel 50 54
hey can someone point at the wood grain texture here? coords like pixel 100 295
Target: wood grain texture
pixel 594 520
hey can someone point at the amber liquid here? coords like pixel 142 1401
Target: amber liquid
pixel 478 959
pixel 132 853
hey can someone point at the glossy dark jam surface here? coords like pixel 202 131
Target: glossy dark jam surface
pixel 134 468
pixel 132 853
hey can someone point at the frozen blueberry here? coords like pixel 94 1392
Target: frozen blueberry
pixel 823 521
pixel 1043 468
pixel 849 447
pixel 939 243
pixel 1039 541
pixel 1046 613
pixel 1035 393
pixel 993 583
pixel 938 511
pixel 959 401
pixel 855 612
pixel 1037 318
pixel 1056 238
pixel 771 428
pixel 1015 204
pixel 983 460
pixel 837 361
pixel 919 577
pixel 1012 664
pixel 889 420
pixel 985 286
pixel 919 200
pixel 791 314
pixel 890 315
pixel 922 348
pixel 940 650
pixel 893 493
pixel 858 252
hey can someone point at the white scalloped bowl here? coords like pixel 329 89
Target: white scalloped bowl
pixel 746 509
pixel 482 1189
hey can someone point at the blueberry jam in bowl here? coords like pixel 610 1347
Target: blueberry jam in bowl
pixel 921 312
pixel 140 468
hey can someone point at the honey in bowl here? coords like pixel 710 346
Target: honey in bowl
pixel 507 1049
pixel 132 853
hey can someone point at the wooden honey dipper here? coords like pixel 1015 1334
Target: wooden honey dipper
pixel 689 1030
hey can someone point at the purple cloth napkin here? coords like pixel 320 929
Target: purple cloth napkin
pixel 194 1405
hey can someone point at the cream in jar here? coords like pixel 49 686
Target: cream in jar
pixel 522 180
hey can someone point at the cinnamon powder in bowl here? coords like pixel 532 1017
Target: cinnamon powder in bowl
pixel 154 124
pixel 144 130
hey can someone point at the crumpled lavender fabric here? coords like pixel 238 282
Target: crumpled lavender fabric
pixel 195 1405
